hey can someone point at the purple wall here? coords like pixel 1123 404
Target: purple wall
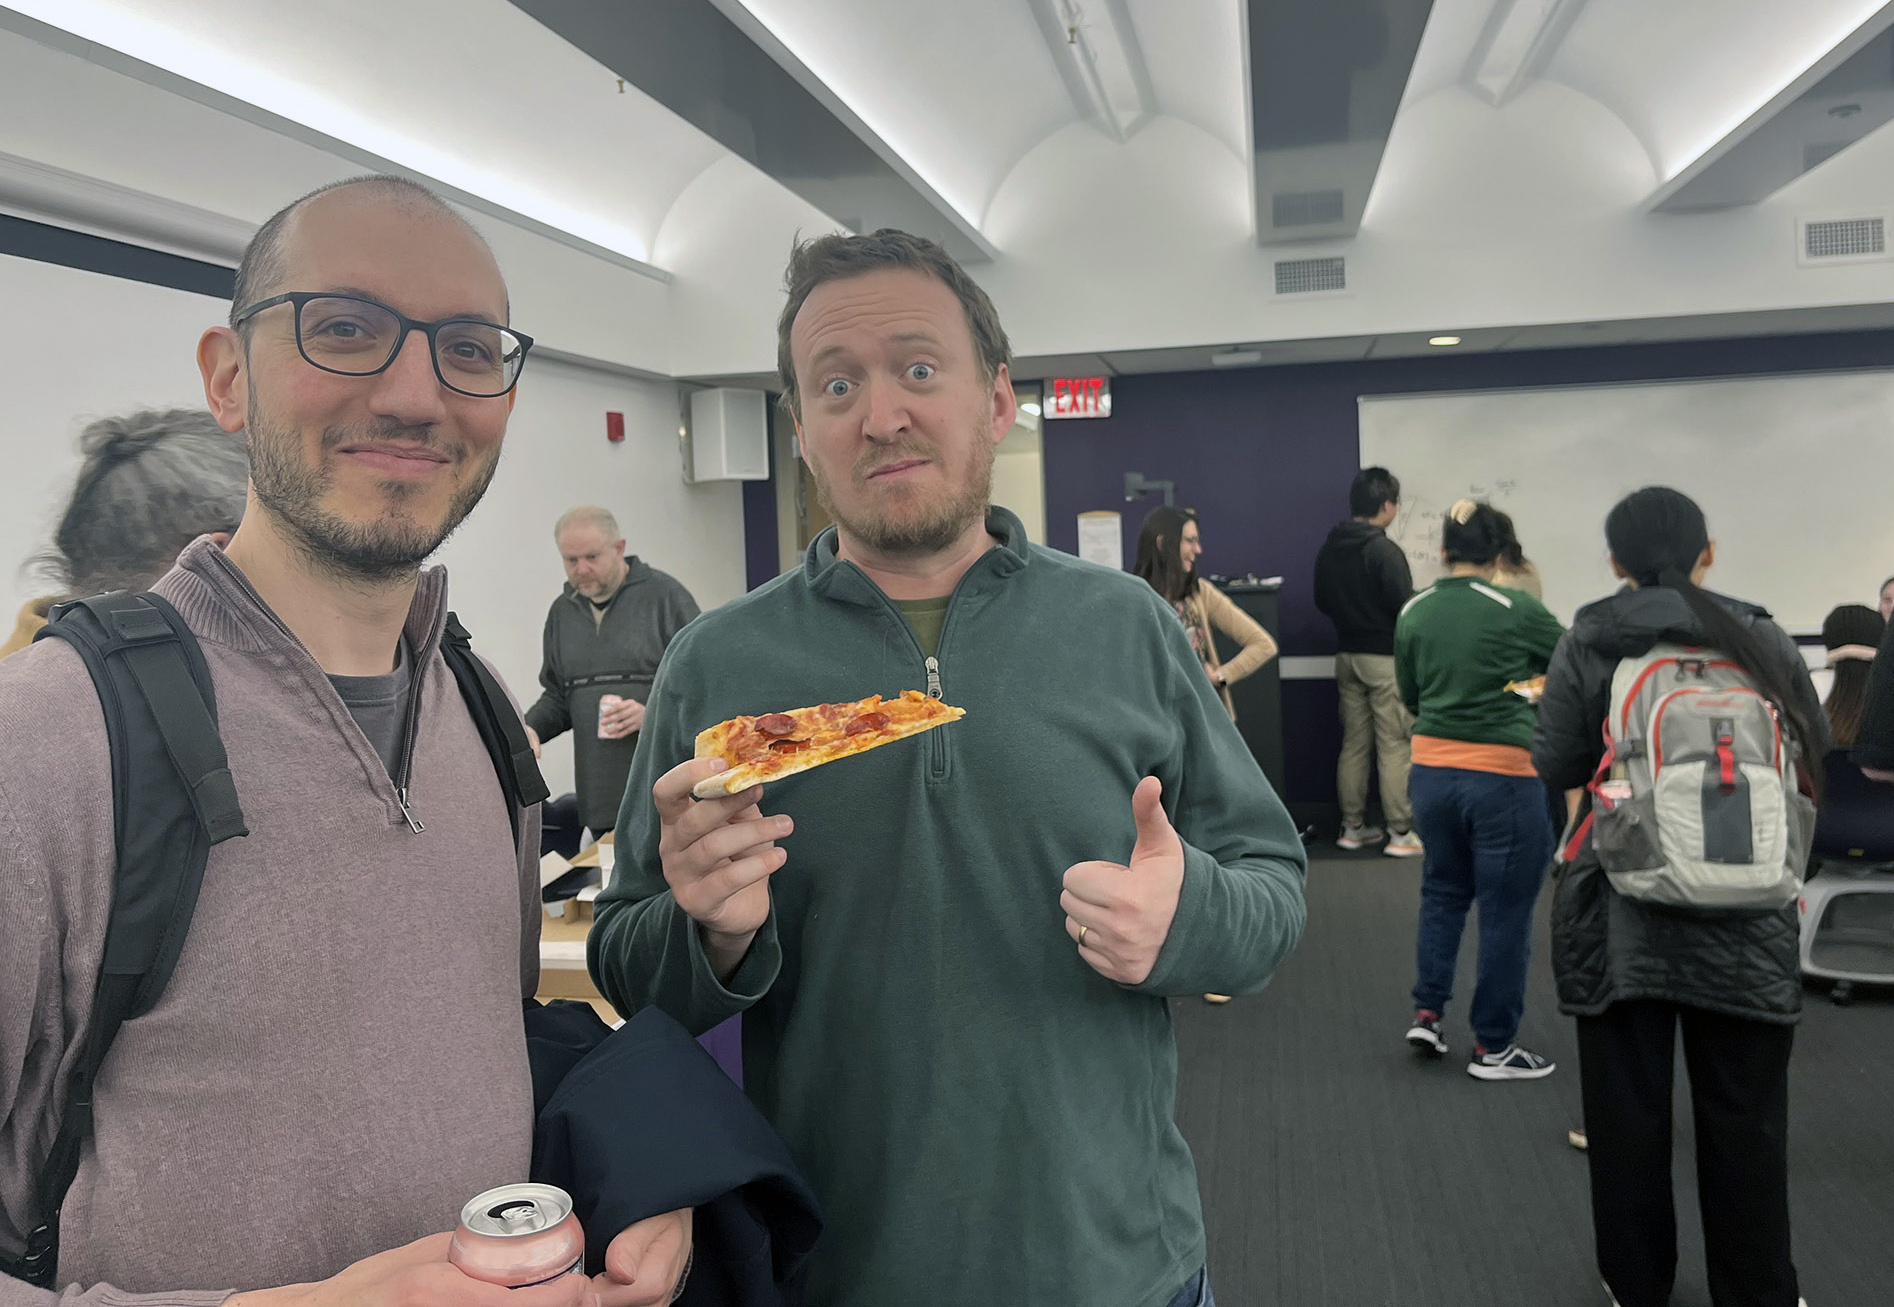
pixel 1265 456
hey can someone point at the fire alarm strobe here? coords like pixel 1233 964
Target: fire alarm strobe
pixel 615 427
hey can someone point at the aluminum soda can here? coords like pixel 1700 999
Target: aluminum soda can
pixel 605 702
pixel 519 1235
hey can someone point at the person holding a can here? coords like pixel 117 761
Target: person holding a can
pixel 314 1098
pixel 605 635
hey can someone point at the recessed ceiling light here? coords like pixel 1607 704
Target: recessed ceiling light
pixel 1443 340
pixel 1231 358
pixel 1029 407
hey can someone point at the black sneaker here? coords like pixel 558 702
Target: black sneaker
pixel 1510 1063
pixel 1424 1035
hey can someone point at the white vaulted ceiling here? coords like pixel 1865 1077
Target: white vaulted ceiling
pixel 1099 150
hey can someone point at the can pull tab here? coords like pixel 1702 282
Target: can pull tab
pixel 518 1218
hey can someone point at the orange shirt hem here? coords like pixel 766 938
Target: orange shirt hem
pixel 1501 759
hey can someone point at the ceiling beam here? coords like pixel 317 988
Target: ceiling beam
pixel 718 67
pixel 1519 39
pixel 1324 80
pixel 1094 45
pixel 1838 100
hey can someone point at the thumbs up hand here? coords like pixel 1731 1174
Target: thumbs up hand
pixel 1118 915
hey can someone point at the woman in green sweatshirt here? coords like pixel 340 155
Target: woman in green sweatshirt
pixel 1459 649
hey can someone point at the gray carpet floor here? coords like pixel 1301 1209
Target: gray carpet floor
pixel 1339 1170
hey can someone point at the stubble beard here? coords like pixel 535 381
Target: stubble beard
pixel 390 547
pixel 935 529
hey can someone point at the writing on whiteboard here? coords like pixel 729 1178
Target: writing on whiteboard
pixel 1416 528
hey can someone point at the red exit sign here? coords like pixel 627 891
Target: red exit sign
pixel 1078 397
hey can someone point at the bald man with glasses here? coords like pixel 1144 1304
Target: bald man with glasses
pixel 324 1078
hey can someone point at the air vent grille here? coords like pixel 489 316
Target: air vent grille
pixel 1305 208
pixel 1843 238
pixel 1301 276
pixel 1817 153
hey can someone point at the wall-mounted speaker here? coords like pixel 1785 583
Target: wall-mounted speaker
pixel 729 435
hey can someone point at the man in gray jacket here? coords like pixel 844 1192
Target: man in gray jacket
pixel 605 636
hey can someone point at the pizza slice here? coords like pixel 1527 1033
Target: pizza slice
pixel 780 744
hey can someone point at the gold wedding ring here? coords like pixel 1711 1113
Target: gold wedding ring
pixel 1082 930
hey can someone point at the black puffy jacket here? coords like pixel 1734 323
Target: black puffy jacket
pixel 1605 947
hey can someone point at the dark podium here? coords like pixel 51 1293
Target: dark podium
pixel 1258 696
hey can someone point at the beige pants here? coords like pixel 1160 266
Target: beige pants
pixel 1374 720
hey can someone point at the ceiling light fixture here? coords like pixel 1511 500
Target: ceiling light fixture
pixel 1231 358
pixel 1443 340
pixel 1029 407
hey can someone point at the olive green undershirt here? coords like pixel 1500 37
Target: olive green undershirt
pixel 926 617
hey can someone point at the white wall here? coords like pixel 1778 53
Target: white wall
pixel 81 346
pixel 505 569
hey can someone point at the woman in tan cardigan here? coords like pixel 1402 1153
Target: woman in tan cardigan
pixel 1168 549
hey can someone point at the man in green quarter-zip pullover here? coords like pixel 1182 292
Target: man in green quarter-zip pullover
pixel 953 952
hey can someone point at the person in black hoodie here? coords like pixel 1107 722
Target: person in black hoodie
pixel 1361 582
pixel 1633 972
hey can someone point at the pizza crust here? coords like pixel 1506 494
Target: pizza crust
pixel 821 732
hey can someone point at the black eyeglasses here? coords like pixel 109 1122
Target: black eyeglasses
pixel 356 337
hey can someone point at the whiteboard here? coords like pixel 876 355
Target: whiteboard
pixel 1794 473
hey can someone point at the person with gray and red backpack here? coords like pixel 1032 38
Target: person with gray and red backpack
pixel 1688 724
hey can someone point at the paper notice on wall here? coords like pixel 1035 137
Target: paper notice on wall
pixel 1102 539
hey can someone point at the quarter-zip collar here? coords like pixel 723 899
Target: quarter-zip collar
pixel 836 578
pixel 218 602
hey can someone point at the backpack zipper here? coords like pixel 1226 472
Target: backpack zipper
pixel 1657 718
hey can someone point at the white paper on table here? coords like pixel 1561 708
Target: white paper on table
pixel 551 868
pixel 606 860
pixel 1102 539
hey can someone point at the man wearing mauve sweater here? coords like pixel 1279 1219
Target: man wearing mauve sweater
pixel 317 1093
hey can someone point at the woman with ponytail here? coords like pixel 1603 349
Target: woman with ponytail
pixel 1460 648
pixel 1634 972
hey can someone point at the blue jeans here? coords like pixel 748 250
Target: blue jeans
pixel 1489 840
pixel 1196 1293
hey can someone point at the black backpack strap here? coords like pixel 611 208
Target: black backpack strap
pixel 172 799
pixel 501 729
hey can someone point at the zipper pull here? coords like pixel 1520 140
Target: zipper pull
pixel 933 677
pixel 414 822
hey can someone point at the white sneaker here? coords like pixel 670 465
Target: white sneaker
pixel 1404 844
pixel 1359 837
pixel 1509 1063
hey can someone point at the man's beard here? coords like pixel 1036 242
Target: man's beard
pixel 936 529
pixel 393 545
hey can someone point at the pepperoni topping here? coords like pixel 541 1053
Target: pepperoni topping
pixel 776 724
pixel 868 721
pixel 789 746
